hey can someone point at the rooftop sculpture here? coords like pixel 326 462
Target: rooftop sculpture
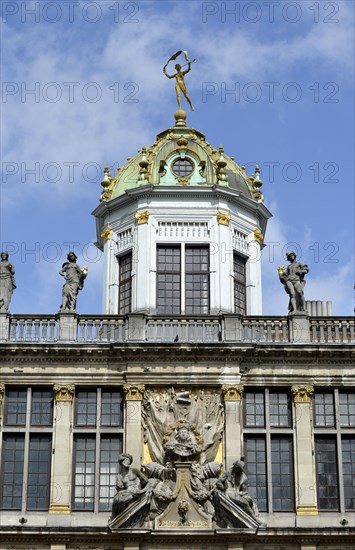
pixel 180 77
pixel 7 281
pixel 292 278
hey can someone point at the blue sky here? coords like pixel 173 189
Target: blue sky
pixel 96 69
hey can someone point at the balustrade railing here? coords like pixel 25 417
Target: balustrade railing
pixel 189 329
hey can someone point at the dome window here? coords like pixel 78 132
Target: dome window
pixel 182 167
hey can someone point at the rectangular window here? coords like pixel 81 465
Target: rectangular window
pixel 125 284
pixel 282 474
pixel 27 449
pixel 98 440
pixel 12 477
pixel 197 275
pixel 38 482
pixel 268 444
pixel 168 279
pixel 239 275
pixel 347 409
pixel 324 409
pixel 348 452
pixel 327 473
pixel 255 455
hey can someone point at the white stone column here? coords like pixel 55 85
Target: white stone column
pixel 253 274
pixel 223 259
pixel 304 459
pixel 133 422
pixel 233 425
pixel 62 446
pixel 141 267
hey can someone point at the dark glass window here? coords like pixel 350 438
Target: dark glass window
pixel 168 279
pixel 84 473
pixel 239 284
pixel 347 409
pixel 255 457
pixel 348 452
pixel 254 406
pixel 280 409
pixel 85 408
pixel 111 408
pixel 197 280
pixel 324 409
pixel 42 408
pixel 12 476
pixel 282 474
pixel 38 482
pixel 327 473
pixel 125 284
pixel 182 167
pixel 111 447
pixel 15 409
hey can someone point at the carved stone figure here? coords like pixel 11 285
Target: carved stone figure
pixel 7 281
pixel 162 483
pixel 233 484
pixel 293 280
pixel 182 443
pixel 180 78
pixel 203 482
pixel 130 485
pixel 74 281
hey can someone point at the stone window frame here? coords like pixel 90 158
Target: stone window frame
pixel 336 433
pixel 98 432
pixel 28 431
pixel 240 284
pixel 124 293
pixel 269 433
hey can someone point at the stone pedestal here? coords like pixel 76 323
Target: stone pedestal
pixel 232 328
pixel 68 327
pixel 136 327
pixel 4 326
pixel 299 328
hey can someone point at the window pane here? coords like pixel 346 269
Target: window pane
pixel 282 474
pixel 327 473
pixel 13 458
pixel 38 483
pixel 197 280
pixel 239 284
pixel 347 409
pixel 255 458
pixel 85 408
pixel 111 408
pixel 41 408
pixel 182 167
pixel 168 279
pixel 254 409
pixel 348 452
pixel 84 473
pixel 324 409
pixel 280 409
pixel 125 284
pixel 111 447
pixel 15 411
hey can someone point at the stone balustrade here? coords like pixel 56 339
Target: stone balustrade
pixel 178 329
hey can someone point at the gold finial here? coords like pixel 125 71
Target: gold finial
pixel 143 171
pixel 106 184
pixel 221 165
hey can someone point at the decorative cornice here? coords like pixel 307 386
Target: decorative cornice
pixel 134 392
pixel 232 393
pixel 2 391
pixel 106 233
pixel 59 509
pixel 223 218
pixel 302 394
pixel 258 236
pixel 307 510
pixel 64 393
pixel 142 217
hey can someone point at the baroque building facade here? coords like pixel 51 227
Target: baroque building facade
pixel 181 389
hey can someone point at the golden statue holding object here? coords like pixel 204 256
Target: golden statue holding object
pixel 180 77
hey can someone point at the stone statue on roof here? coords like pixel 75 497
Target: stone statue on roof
pixel 292 277
pixel 7 281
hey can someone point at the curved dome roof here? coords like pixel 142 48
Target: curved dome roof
pixel 181 156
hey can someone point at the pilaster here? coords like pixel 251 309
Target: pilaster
pixel 4 326
pixel 304 461
pixel 62 447
pixel 232 395
pixel 68 327
pixel 133 424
